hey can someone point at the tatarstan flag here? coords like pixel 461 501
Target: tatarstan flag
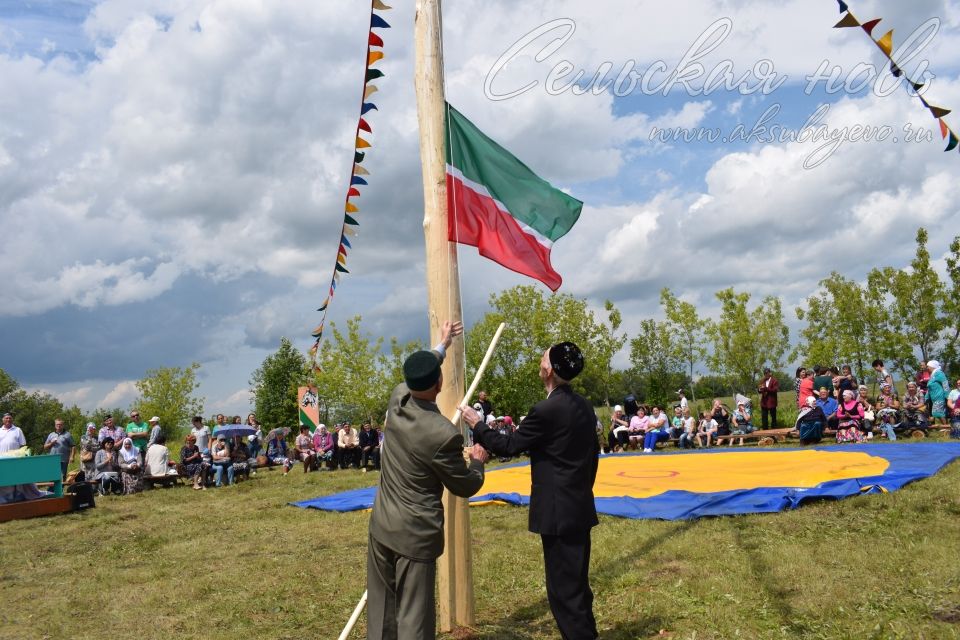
pixel 495 203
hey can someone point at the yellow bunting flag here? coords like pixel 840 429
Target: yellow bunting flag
pixel 374 57
pixel 847 21
pixel 886 43
pixel 351 208
pixel 362 144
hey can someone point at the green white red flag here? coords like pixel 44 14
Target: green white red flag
pixel 497 204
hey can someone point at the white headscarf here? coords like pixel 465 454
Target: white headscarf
pixel 129 455
pixel 933 364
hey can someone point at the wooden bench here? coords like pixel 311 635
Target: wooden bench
pixel 764 438
pixel 31 470
pixel 166 480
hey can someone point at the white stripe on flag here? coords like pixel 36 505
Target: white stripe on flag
pixel 482 190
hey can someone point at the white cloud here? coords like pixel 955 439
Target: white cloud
pixel 120 396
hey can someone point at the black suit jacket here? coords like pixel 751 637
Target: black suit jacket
pixel 560 434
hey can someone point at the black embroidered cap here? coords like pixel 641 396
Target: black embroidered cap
pixel 421 370
pixel 566 360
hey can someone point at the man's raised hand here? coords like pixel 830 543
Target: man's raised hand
pixel 449 331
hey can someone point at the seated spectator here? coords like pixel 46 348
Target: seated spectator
pixel 721 415
pixel 348 447
pixel 850 419
pixel 619 431
pixel 303 448
pixel 707 429
pixel 194 466
pixel 157 461
pixel 240 455
pixel 323 446
pixel 369 447
pixel 887 414
pixel 810 422
pixel 131 467
pixel 89 445
pixel 953 411
pixel 277 452
pixel 221 461
pixel 742 417
pixel 689 432
pixel 107 469
pixel 829 407
pixel 638 427
pixel 676 423
pixel 914 407
pixel 505 428
pixel 657 430
pixel 869 411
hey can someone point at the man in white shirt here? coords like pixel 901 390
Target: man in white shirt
pixel 11 439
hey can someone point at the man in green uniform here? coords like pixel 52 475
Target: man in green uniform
pixel 422 452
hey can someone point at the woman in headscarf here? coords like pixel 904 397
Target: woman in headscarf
pixel 194 466
pixel 850 416
pixel 89 445
pixel 638 427
pixel 107 470
pixel 131 471
pixel 323 445
pixel 937 390
pixel 810 422
pixel 255 440
pixel 277 451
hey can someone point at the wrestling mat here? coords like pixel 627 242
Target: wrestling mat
pixel 679 486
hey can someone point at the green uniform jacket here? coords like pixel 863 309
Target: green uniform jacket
pixel 422 453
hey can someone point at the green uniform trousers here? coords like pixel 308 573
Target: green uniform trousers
pixel 400 599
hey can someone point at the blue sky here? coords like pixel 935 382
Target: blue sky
pixel 172 172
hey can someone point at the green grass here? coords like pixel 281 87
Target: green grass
pixel 237 563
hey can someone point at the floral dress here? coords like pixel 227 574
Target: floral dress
pixel 192 469
pixel 92 445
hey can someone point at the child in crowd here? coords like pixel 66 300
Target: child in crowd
pixel 707 429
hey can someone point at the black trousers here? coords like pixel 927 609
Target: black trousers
pixel 773 416
pixel 566 560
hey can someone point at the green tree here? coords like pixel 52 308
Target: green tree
pixel 35 412
pixel 687 334
pixel 951 309
pixel 7 384
pixel 745 341
pixel 354 380
pixel 656 363
pixel 536 321
pixel 168 393
pixel 274 385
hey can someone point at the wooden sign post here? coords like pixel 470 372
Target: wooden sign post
pixel 455 571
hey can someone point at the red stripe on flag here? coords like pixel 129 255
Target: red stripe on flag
pixel 475 220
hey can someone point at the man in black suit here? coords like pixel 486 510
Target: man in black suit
pixel 560 434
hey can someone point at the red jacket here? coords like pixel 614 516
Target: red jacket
pixel 768 393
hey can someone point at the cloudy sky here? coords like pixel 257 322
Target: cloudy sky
pixel 172 172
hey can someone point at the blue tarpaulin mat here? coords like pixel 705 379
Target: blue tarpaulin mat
pixel 679 486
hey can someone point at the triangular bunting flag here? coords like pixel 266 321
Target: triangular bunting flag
pixel 357 180
pixel 374 40
pixel 342 260
pixel 376 22
pixel 869 25
pixel 943 129
pixel 924 102
pixel 917 86
pixel 939 112
pixel 360 171
pixel 342 250
pixel 365 126
pixel 953 142
pixel 895 70
pixel 351 208
pixel 362 144
pixel 847 21
pixel 367 107
pixel 369 91
pixel 336 276
pixel 340 269
pixel 323 307
pixel 886 43
pixel 353 193
pixel 317 330
pixel 373 74
pixel 374 57
pixel 348 219
pixel 313 349
pixel 358 157
pixel 344 241
pixel 379 6
pixel 349 231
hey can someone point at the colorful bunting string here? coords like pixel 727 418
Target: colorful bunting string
pixel 885 44
pixel 361 142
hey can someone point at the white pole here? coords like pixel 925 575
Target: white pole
pixel 456 418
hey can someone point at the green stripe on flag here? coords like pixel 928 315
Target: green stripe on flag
pixel 307 421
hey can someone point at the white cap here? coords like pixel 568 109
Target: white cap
pixel 155 419
pixel 617 408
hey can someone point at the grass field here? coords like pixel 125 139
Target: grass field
pixel 238 563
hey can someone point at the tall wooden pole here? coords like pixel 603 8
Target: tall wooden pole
pixel 455 571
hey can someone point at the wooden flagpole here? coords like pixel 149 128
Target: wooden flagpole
pixel 455 571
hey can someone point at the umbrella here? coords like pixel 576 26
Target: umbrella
pixel 231 430
pixel 280 432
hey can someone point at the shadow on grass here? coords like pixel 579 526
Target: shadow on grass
pixel 535 620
